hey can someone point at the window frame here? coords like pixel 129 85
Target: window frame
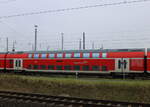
pixel 43 67
pixel 29 55
pixel 96 68
pixel 53 55
pixel 66 55
pixel 51 66
pixel 75 66
pixel 104 55
pixel 57 67
pixel 67 66
pixel 45 56
pixel 35 66
pixel 86 68
pixel 58 55
pixel 104 68
pixel 36 56
pixel 77 55
pixel 86 55
pixel 95 55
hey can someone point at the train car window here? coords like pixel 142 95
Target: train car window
pixel 85 68
pixel 51 67
pixel 95 55
pixel 43 55
pixel 119 64
pixel 86 55
pixel 59 55
pixel 68 55
pixel 76 67
pixel 19 63
pixel 29 66
pixel 104 68
pixel 11 62
pixel 96 68
pixel 29 55
pixel 76 55
pixel 36 55
pixel 43 66
pixel 67 67
pixel 51 55
pixel 125 64
pixel 16 63
pixel 35 66
pixel 104 55
pixel 59 67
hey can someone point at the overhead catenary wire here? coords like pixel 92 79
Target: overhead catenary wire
pixel 11 28
pixel 6 1
pixel 73 8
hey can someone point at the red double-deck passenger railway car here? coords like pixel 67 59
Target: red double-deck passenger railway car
pixel 105 61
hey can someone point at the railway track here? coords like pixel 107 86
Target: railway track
pixel 16 99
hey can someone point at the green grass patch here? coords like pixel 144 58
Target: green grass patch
pixel 104 89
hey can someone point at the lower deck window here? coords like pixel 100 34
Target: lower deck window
pixel 104 68
pixel 43 66
pixel 85 67
pixel 96 68
pixel 11 62
pixel 76 67
pixel 67 67
pixel 51 67
pixel 35 66
pixel 119 64
pixel 59 67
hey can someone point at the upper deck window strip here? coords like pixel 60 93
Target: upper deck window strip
pixel 69 55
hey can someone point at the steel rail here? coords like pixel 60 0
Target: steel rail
pixel 66 101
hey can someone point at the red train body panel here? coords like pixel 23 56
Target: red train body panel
pixel 90 61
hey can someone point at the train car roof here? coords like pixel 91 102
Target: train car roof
pixel 84 51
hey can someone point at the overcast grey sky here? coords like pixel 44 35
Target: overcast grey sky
pixel 119 26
